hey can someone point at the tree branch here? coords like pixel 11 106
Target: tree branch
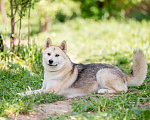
pixel 15 8
pixel 18 20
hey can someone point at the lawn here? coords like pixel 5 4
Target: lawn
pixel 88 41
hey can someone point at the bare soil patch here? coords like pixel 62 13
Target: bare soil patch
pixel 46 110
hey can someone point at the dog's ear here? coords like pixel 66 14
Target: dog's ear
pixel 63 46
pixel 48 43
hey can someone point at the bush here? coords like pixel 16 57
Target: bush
pixel 105 8
pixel 67 10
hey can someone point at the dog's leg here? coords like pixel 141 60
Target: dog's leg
pixel 34 91
pixel 106 91
pixel 111 81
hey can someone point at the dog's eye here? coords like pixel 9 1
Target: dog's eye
pixel 48 54
pixel 57 55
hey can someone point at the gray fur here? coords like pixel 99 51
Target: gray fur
pixel 87 74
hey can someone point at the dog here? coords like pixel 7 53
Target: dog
pixel 68 79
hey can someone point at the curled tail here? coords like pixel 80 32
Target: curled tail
pixel 139 69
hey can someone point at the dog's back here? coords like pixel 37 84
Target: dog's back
pixel 87 73
pixel 87 81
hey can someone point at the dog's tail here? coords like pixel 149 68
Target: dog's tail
pixel 139 69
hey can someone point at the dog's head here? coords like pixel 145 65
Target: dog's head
pixel 54 57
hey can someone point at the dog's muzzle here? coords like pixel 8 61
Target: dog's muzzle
pixel 51 63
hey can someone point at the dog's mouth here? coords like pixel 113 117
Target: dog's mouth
pixel 51 65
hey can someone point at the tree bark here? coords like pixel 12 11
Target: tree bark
pixel 2 8
pixel 41 26
pixel 47 24
pixel 12 37
pixel 19 40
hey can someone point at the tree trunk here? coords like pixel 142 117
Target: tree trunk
pixel 12 37
pixel 41 26
pixel 1 44
pixel 12 34
pixel 29 26
pixel 19 40
pixel 47 24
pixel 2 8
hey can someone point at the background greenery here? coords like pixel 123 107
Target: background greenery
pixel 95 32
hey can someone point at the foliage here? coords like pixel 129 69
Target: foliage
pixel 23 5
pixel 57 9
pixel 105 8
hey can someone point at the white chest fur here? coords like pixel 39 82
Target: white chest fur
pixel 60 80
pixel 49 82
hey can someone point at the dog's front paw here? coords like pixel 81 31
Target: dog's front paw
pixel 102 91
pixel 21 94
pixel 25 93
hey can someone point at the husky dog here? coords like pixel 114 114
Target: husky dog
pixel 65 78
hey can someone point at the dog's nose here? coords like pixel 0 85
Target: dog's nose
pixel 50 61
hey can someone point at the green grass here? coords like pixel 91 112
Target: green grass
pixel 89 41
